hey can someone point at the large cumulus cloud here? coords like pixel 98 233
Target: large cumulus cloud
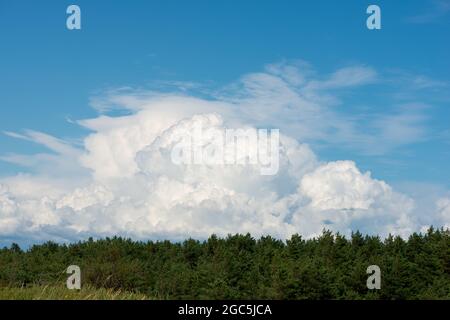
pixel 122 181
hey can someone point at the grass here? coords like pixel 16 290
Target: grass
pixel 62 293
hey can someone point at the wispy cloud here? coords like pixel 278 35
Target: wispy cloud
pixel 52 143
pixel 62 160
pixel 438 9
pixel 345 77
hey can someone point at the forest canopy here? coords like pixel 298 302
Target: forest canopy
pixel 330 266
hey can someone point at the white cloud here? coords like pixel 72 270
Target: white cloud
pixel 159 198
pixel 132 187
pixel 62 160
pixel 443 207
pixel 7 209
pixel 347 199
pixel 438 9
pixel 346 77
pixel 340 185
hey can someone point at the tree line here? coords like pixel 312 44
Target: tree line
pixel 330 266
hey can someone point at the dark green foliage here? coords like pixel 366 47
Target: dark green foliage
pixel 241 267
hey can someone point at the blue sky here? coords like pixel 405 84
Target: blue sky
pixel 49 74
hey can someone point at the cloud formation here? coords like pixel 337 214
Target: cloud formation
pixel 437 9
pixel 121 181
pixel 443 206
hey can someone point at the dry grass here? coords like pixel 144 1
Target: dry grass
pixel 62 293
